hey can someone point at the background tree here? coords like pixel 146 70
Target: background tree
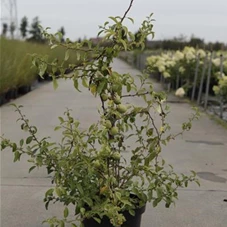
pixel 62 30
pixel 181 38
pixel 35 31
pixel 12 29
pixel 23 27
pixel 196 42
pixel 218 46
pixel 4 29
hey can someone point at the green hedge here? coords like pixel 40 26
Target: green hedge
pixel 16 62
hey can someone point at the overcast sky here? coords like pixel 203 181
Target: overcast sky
pixel 204 18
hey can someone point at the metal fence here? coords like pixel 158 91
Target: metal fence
pixel 201 84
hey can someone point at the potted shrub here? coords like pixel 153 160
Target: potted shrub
pixel 111 170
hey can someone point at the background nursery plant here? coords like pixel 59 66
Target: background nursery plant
pixel 114 167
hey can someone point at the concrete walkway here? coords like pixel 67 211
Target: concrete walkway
pixel 203 149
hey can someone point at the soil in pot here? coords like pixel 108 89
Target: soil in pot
pixel 131 221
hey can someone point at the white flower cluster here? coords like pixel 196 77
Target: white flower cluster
pixel 170 62
pixel 180 92
pixel 221 88
pixel 216 62
pixel 189 53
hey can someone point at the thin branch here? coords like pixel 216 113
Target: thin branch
pixel 136 94
pixel 154 125
pixel 28 126
pixel 126 12
pixel 103 107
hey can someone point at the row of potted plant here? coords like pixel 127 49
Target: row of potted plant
pixel 17 74
pixel 179 68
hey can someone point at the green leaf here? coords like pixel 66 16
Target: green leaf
pixel 17 155
pixel 132 212
pixel 93 89
pixel 55 83
pixel 155 203
pixel 118 195
pixel 54 46
pixel 132 36
pixel 66 55
pixel 14 147
pixel 66 212
pixel 80 189
pixel 14 105
pixel 47 204
pixel 59 35
pixel 58 191
pixel 73 225
pixel 42 69
pixel 84 82
pixel 49 192
pixel 61 119
pixel 197 182
pixel 21 142
pixel 100 32
pixel 193 172
pixel 163 162
pixel 88 201
pixel 97 219
pixel 62 223
pixel 128 87
pixel 101 87
pixel 124 44
pixel 150 157
pixel 76 84
pixel 159 192
pixel 114 19
pixel 30 169
pixel 57 128
pixel 131 19
pixel 29 139
pixel 34 62
pixel 150 195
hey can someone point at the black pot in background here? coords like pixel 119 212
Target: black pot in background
pixel 45 77
pixel 2 99
pixel 8 95
pixel 24 89
pixel 13 94
pixel 131 221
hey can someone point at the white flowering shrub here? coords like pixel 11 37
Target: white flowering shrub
pixel 221 88
pixel 182 64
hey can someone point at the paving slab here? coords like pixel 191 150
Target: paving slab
pixel 203 149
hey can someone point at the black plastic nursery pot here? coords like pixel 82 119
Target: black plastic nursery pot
pixel 2 99
pixel 131 221
pixel 24 89
pixel 11 94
